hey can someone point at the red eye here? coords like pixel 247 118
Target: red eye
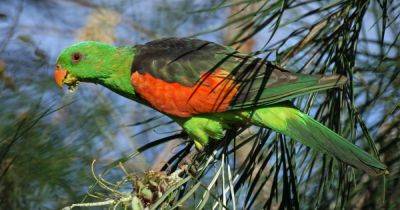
pixel 76 57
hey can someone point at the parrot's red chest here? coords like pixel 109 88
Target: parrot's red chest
pixel 212 93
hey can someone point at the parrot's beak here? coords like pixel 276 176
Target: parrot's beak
pixel 59 76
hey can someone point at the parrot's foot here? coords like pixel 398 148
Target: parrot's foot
pixel 201 129
pixel 199 146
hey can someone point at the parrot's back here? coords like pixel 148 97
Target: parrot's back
pixel 186 77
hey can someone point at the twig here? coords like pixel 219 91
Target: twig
pixel 101 203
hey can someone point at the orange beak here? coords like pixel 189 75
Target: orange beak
pixel 59 76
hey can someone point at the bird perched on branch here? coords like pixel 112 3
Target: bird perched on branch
pixel 208 88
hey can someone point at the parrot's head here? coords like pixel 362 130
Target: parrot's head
pixel 87 61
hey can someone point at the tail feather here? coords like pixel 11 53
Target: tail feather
pixel 264 91
pixel 297 125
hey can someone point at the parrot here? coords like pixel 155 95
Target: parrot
pixel 208 88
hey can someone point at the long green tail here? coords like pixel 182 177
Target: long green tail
pixel 297 125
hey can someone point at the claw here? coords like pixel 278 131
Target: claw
pixel 198 145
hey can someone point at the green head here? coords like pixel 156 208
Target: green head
pixel 95 62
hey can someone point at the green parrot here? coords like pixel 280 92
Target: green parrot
pixel 208 88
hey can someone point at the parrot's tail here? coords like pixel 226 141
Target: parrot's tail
pixel 299 126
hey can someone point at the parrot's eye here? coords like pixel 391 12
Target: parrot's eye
pixel 76 57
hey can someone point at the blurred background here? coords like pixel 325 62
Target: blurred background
pixel 49 137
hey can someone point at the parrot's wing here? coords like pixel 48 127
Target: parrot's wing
pixel 176 60
pixel 201 64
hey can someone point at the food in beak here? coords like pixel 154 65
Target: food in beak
pixel 61 77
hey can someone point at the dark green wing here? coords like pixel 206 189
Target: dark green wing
pixel 177 60
pixel 258 82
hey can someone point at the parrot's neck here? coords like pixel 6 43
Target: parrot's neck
pixel 120 81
